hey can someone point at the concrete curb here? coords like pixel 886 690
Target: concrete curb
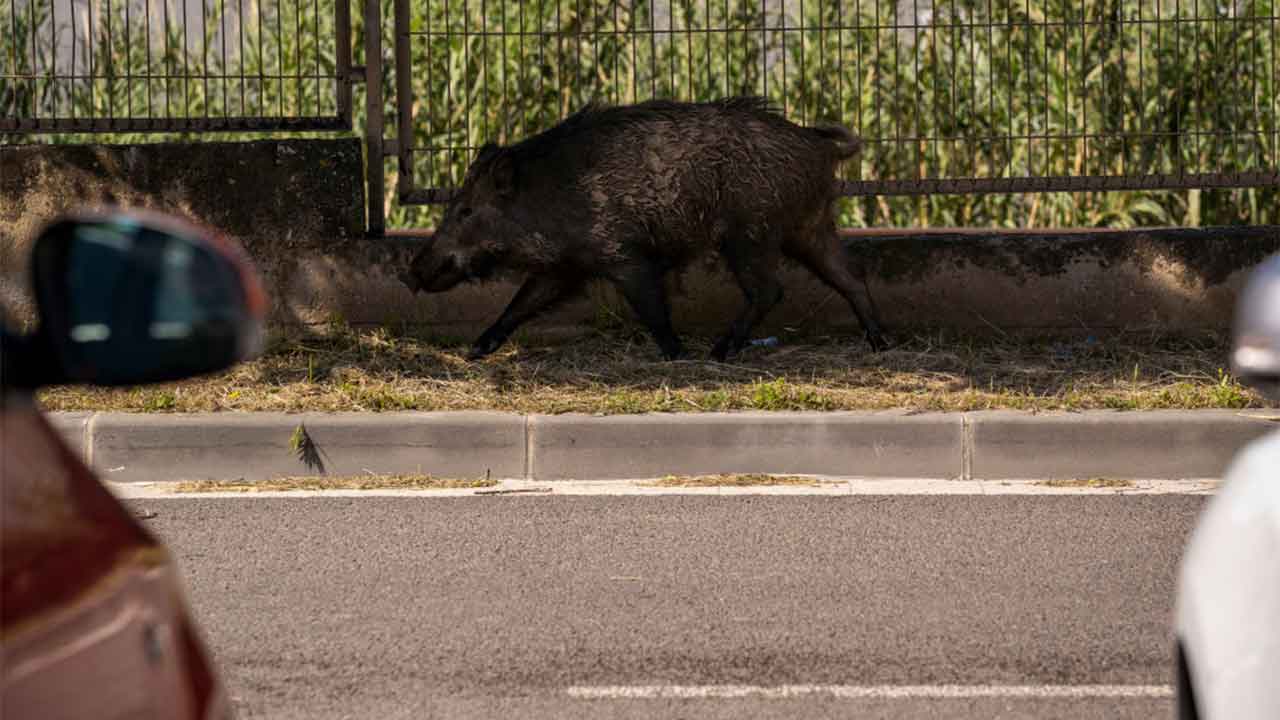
pixel 1131 445
pixel 993 445
pixel 889 444
pixel 153 448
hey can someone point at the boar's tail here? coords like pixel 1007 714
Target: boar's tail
pixel 846 143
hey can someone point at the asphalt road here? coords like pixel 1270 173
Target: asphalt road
pixel 505 606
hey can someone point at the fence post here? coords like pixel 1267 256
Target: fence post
pixel 373 117
pixel 404 102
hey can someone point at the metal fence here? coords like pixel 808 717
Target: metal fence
pixel 951 96
pixel 174 65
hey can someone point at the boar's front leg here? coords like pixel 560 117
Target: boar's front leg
pixel 539 293
pixel 642 285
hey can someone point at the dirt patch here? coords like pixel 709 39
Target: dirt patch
pixel 1096 482
pixel 732 480
pixel 325 482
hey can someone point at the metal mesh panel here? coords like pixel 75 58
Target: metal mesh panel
pixel 951 96
pixel 165 65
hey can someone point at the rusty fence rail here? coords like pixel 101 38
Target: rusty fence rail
pixel 174 65
pixel 952 96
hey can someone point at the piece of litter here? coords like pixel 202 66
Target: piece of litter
pixel 770 341
pixel 513 491
pixel 144 514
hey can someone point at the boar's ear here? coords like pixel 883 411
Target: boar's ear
pixel 503 173
pixel 486 150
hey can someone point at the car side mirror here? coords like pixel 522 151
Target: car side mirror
pixel 127 298
pixel 1255 354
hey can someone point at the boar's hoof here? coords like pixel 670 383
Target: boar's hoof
pixel 483 348
pixel 673 356
pixel 879 342
pixel 720 352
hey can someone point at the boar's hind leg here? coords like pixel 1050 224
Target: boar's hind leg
pixel 825 257
pixel 642 285
pixel 757 275
pixel 538 293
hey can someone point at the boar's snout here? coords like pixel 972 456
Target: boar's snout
pixel 431 273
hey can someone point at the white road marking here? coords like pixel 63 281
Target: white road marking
pixel 860 692
pixel 826 486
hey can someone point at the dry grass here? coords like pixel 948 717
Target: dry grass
pixel 324 482
pixel 618 371
pixel 732 480
pixel 1096 482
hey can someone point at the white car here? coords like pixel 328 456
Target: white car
pixel 1228 607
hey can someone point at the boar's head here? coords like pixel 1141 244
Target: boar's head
pixel 476 232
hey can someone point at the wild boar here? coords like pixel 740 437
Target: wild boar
pixel 629 194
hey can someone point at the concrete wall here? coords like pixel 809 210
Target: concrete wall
pixel 297 206
pixel 1165 278
pixel 1173 279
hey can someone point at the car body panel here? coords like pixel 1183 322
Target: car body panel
pixel 1228 607
pixel 93 620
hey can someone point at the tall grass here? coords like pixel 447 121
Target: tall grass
pixel 966 88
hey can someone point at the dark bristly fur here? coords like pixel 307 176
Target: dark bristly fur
pixel 628 194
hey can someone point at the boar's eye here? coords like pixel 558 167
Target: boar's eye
pixel 464 213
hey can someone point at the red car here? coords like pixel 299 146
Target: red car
pixel 93 620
